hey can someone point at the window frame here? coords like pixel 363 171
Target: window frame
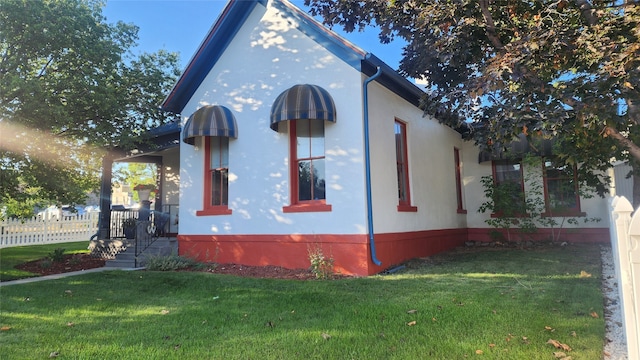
pixel 402 166
pixel 207 207
pixel 570 212
pixel 458 173
pixel 297 205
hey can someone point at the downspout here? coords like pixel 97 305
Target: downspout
pixel 365 94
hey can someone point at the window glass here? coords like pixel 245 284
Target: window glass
pixel 219 170
pixel 402 167
pixel 310 159
pixel 561 187
pixel 508 194
pixel 310 138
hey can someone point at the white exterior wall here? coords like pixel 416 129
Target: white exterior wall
pixel 259 64
pixel 430 147
pixel 596 207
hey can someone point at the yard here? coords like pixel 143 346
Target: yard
pixel 493 303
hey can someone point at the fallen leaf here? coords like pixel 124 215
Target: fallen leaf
pixel 413 311
pixel 164 312
pixel 584 274
pixel 594 315
pixel 70 324
pixel 479 352
pixel 549 328
pixel 559 355
pixel 434 319
pixel 68 292
pixel 492 345
pixel 326 336
pixel 573 333
pixel 559 345
pixel 628 84
pixel 5 328
pixel 176 347
pixel 411 323
pixel 54 354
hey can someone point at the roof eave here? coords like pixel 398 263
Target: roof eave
pixel 211 49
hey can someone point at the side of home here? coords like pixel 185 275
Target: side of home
pixel 294 140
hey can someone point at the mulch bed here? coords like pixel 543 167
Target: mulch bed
pixel 71 262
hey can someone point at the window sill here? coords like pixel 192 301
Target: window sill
pixel 407 208
pixel 576 213
pixel 461 211
pixel 499 215
pixel 311 207
pixel 219 210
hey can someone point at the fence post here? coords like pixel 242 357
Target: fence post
pixel 625 231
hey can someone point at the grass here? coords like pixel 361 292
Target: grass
pixel 12 256
pixel 505 304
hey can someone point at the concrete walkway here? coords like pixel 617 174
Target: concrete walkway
pixel 63 275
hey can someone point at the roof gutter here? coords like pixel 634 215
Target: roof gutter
pixel 372 244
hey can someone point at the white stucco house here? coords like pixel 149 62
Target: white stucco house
pixel 293 139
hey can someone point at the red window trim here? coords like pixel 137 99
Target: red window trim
pixel 296 205
pixel 404 205
pixel 407 208
pixel 456 156
pixel 207 208
pixel 311 206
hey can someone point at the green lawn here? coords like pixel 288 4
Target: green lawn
pixel 496 304
pixel 12 256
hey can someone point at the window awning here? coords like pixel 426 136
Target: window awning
pixel 303 102
pixel 210 120
pixel 517 149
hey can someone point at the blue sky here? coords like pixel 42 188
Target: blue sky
pixel 180 26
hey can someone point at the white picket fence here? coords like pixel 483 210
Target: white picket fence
pixel 37 231
pixel 625 240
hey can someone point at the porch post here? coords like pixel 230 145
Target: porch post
pixel 104 230
pixel 160 180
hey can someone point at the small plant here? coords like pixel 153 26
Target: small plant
pixel 171 262
pixel 321 266
pixel 57 255
pixel 45 263
pixel 75 259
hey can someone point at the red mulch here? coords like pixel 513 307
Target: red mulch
pixel 79 262
pixel 75 262
pixel 264 272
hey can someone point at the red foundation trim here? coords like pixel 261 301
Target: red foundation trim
pixel 351 253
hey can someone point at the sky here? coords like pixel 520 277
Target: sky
pixel 180 26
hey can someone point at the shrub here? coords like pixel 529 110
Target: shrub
pixel 169 263
pixel 57 255
pixel 45 263
pixel 321 266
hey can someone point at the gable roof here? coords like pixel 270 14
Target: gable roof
pixel 232 19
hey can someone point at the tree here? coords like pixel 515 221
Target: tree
pixel 567 69
pixel 70 89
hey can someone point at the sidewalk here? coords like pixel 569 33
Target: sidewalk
pixel 62 275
